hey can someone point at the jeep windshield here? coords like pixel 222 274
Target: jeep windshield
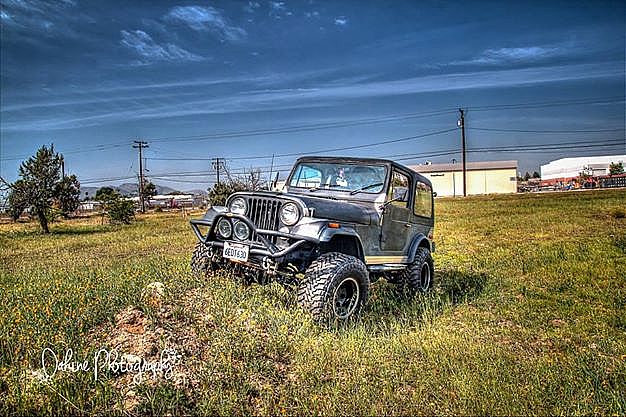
pixel 337 176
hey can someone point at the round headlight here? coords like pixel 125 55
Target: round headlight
pixel 242 231
pixel 289 214
pixel 238 206
pixel 224 228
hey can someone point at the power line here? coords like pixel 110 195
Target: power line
pixel 363 121
pixel 545 131
pixel 332 125
pixel 557 103
pixel 175 176
pixel 94 148
pixel 385 142
pixel 300 128
pixel 407 156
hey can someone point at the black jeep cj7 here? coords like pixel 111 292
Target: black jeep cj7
pixel 340 224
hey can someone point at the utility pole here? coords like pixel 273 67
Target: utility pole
pixel 216 166
pixel 62 168
pixel 461 124
pixel 139 144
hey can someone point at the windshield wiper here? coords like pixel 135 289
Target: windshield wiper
pixel 326 186
pixel 367 187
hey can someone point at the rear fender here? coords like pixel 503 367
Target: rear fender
pixel 418 241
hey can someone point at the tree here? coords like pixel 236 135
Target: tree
pixel 536 174
pixel 527 176
pixel 105 193
pixel 219 192
pixel 16 201
pixel 68 195
pixel 616 168
pixel 41 186
pixel 249 181
pixel 149 190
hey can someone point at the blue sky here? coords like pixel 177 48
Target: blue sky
pixel 245 80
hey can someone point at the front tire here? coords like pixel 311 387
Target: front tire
pixel 419 276
pixel 334 289
pixel 201 261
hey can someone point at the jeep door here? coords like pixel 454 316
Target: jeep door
pixel 396 228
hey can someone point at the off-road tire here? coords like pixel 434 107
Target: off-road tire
pixel 201 263
pixel 419 276
pixel 334 289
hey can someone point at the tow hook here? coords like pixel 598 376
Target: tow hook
pixel 269 265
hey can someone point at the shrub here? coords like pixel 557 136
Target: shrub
pixel 120 210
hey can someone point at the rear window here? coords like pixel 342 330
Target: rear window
pixel 423 200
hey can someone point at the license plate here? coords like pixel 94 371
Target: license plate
pixel 236 251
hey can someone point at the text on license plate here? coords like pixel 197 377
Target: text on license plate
pixel 236 251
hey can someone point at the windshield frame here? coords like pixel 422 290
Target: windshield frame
pixel 335 191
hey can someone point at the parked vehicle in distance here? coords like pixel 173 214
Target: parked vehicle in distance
pixel 339 224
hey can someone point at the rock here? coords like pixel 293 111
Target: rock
pixel 153 293
pixel 131 359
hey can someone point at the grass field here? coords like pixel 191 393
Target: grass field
pixel 528 317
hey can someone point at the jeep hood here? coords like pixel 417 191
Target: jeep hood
pixel 345 211
pixel 361 212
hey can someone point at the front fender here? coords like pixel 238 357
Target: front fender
pixel 212 212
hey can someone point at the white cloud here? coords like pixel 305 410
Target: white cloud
pixel 252 6
pixel 278 9
pixel 34 16
pixel 512 55
pixel 175 105
pixel 277 5
pixel 206 19
pixel 144 46
pixel 341 21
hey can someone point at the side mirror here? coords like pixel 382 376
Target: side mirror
pixel 434 193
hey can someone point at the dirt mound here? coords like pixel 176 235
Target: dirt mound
pixel 150 350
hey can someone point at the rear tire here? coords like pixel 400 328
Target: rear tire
pixel 419 276
pixel 334 289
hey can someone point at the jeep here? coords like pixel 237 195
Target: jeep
pixel 338 225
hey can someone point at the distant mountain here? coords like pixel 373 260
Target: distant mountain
pixel 130 189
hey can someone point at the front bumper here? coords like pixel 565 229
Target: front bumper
pixel 261 247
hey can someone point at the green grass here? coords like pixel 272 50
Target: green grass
pixel 528 317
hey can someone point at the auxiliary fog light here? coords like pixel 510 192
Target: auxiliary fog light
pixel 242 231
pixel 224 228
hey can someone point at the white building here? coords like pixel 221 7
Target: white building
pixel 488 177
pixel 567 168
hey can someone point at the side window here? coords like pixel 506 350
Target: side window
pixel 399 189
pixel 423 200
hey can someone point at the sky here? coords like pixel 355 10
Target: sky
pixel 245 80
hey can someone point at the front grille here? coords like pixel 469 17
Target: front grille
pixel 264 213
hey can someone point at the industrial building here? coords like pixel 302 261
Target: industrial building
pixel 566 169
pixel 489 177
